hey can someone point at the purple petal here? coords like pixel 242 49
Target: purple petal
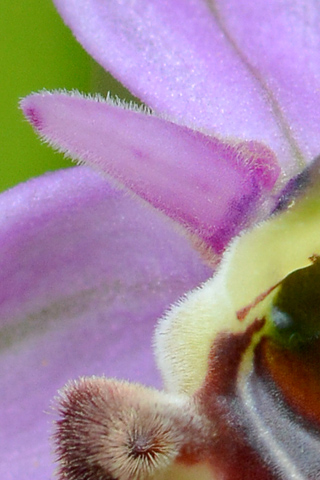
pixel 281 42
pixel 84 274
pixel 212 188
pixel 175 56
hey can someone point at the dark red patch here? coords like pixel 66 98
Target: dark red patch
pixel 230 453
pixel 295 373
pixel 224 361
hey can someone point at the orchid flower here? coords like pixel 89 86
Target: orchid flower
pixel 214 191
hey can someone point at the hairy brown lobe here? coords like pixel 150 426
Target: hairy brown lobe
pixel 116 430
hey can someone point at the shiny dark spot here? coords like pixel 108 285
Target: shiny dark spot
pixel 296 308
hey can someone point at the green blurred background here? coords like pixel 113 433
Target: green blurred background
pixel 38 51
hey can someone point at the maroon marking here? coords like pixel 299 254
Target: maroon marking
pixel 314 258
pixel 35 119
pixel 224 361
pixel 229 451
pixel 294 375
pixel 243 312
